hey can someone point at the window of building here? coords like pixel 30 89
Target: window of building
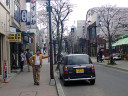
pixel 92 33
pixel 6 2
pixel 17 12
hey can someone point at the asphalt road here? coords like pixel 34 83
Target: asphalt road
pixel 109 82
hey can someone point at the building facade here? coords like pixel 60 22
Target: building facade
pixel 4 30
pixel 95 36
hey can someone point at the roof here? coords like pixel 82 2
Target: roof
pixel 121 42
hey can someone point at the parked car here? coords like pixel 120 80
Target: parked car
pixel 116 56
pixel 75 67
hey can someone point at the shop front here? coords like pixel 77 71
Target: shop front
pixel 15 49
pixel 122 43
pixel 18 41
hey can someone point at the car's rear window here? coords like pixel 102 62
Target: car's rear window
pixel 80 59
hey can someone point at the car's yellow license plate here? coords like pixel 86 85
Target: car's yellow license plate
pixel 79 70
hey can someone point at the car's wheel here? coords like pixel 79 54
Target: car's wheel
pixel 92 82
pixel 60 76
pixel 65 83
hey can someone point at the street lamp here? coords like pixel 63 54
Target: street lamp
pixel 52 81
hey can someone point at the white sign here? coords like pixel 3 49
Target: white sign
pixel 12 30
pixel 33 13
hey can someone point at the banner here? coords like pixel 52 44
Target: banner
pixel 5 69
pixel 14 37
pixel 33 14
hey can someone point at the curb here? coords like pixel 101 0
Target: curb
pixel 110 66
pixel 58 86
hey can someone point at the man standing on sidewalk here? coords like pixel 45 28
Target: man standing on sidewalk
pixel 28 55
pixel 36 62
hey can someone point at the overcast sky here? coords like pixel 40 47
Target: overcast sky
pixel 82 6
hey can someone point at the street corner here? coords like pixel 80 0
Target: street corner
pixel 58 85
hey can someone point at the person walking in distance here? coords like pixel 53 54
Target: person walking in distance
pixel 36 62
pixel 100 55
pixel 22 60
pixel 28 55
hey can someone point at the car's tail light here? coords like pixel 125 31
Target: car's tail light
pixel 93 69
pixel 65 70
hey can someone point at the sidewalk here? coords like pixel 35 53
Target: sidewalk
pixel 121 64
pixel 22 84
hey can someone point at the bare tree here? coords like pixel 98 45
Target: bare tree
pixel 60 12
pixel 111 19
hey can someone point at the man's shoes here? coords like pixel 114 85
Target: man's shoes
pixel 37 83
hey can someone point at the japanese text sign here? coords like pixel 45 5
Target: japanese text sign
pixel 33 13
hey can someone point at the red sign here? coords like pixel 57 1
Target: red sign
pixel 5 69
pixel 33 1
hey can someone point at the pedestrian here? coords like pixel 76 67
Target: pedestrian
pixel 44 50
pixel 36 62
pixel 28 55
pixel 100 55
pixel 22 60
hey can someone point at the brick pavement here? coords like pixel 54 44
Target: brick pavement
pixel 22 84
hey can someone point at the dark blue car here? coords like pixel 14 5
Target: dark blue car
pixel 75 67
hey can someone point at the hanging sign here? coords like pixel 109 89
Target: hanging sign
pixel 14 37
pixel 33 13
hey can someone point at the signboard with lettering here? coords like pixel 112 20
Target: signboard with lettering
pixel 14 37
pixel 23 15
pixel 33 13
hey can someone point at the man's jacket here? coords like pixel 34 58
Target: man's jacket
pixel 33 58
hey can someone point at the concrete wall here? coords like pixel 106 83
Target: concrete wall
pixel 80 24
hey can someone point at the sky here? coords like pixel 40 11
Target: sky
pixel 82 6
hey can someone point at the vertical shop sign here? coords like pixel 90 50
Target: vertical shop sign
pixel 33 13
pixel 5 69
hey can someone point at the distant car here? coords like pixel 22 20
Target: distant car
pixel 75 67
pixel 116 56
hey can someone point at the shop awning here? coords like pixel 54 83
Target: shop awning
pixel 121 42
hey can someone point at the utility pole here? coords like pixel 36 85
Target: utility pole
pixel 52 81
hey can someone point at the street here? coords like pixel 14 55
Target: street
pixel 109 82
pixel 23 85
